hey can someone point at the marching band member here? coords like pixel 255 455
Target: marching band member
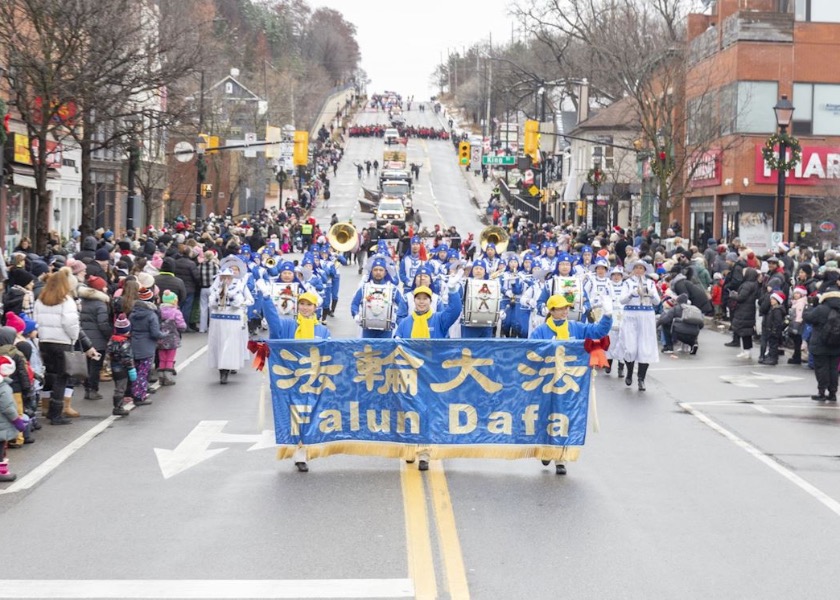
pixel 333 260
pixel 511 288
pixel 525 303
pixel 439 260
pixel 493 261
pixel 596 285
pixel 549 258
pixel 378 276
pixel 478 271
pixel 305 326
pixel 638 327
pixel 227 339
pixel 584 264
pixel 567 284
pixel 424 323
pixel 558 327
pixel 615 351
pixel 410 263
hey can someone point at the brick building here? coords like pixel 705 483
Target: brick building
pixel 742 58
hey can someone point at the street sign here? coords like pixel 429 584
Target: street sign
pixel 184 152
pixel 528 177
pixel 498 160
pixel 475 158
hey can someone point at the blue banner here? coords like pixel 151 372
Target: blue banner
pixel 454 398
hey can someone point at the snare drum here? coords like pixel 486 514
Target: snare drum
pixel 481 302
pixel 572 289
pixel 284 296
pixel 378 310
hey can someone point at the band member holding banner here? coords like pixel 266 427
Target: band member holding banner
pixel 374 306
pixel 227 339
pixel 558 327
pixel 424 323
pixel 638 326
pixel 305 326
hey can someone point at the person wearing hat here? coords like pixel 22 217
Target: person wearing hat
pixel 123 370
pixel 21 385
pixel 639 340
pixel 743 312
pixel 167 280
pixel 172 325
pixel 822 345
pixel 207 271
pixel 305 326
pixel 380 297
pixel 410 263
pixel 227 339
pixel 557 326
pixel 772 328
pixel 12 421
pixel 615 351
pixel 145 332
pixel 18 296
pixel 95 321
pixel 479 271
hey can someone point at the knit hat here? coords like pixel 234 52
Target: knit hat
pixel 168 265
pixel 801 290
pixel 146 280
pixel 97 283
pixel 7 366
pixel 169 297
pixel 77 266
pixel 731 256
pixel 157 261
pixel 778 296
pixel 717 276
pixel 146 294
pixel 122 325
pixel 15 322
pixel 29 325
pixel 20 277
pixel 102 255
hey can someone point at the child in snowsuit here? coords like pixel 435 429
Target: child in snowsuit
pixel 172 324
pixel 774 326
pixel 122 363
pixel 12 423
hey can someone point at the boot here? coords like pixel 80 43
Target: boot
pixel 45 406
pixel 69 411
pixel 223 375
pixel 642 385
pixel 92 395
pixel 5 476
pixel 620 370
pixel 119 409
pixel 153 375
pixel 55 413
pixel 166 377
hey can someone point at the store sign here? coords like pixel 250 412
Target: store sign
pixel 22 155
pixel 705 168
pixel 818 165
pixel 53 158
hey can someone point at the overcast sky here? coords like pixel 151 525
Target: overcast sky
pixel 402 41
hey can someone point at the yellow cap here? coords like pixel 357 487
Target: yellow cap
pixel 423 290
pixel 310 297
pixel 557 301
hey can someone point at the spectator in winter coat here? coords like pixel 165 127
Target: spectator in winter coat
pixel 167 280
pixel 772 327
pixel 825 354
pixel 18 296
pixel 743 315
pixel 12 422
pixel 88 251
pixel 95 321
pixel 145 332
pixel 172 325
pixel 186 269
pixel 19 380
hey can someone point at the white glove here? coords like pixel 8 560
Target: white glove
pixel 358 319
pixel 509 293
pixel 607 307
pixel 262 287
pixel 502 316
pixel 543 311
pixel 595 303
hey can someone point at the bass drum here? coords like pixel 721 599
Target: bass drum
pixel 378 310
pixel 572 289
pixel 481 302
pixel 284 296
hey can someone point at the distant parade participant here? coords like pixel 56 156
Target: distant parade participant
pixel 558 327
pixel 439 259
pixel 423 278
pixel 584 264
pixel 227 339
pixel 304 326
pixel 493 261
pixel 410 263
pixel 285 291
pixel 511 290
pixel 639 341
pixel 596 284
pixel 424 323
pixel 615 352
pixel 378 304
pixel 549 258
pixel 333 260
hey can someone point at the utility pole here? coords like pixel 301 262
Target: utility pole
pixel 201 166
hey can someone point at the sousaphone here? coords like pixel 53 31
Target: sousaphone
pixel 343 237
pixel 494 235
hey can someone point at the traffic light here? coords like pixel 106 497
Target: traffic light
pixel 464 153
pixel 581 208
pixel 300 153
pixel 207 190
pixel 532 140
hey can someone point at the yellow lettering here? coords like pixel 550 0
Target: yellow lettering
pixel 330 421
pixel 558 425
pixel 455 412
pixel 384 426
pixel 354 416
pixel 299 414
pixel 410 416
pixel 500 422
pixel 530 418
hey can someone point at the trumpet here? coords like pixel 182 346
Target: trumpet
pixel 270 262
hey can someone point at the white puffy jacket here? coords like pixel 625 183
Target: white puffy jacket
pixel 58 324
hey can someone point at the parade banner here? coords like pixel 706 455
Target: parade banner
pixel 457 398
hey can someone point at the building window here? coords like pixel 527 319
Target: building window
pixel 817 109
pixel 818 11
pixel 756 100
pixel 803 116
pixel 607 155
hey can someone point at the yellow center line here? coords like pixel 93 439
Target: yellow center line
pixel 447 531
pixel 421 565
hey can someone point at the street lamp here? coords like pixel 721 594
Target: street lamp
pixel 201 173
pixel 133 164
pixel 784 115
pixel 597 176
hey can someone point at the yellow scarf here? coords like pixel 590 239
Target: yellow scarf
pixel 420 325
pixel 561 332
pixel 305 328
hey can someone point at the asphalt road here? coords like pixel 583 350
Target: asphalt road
pixel 721 481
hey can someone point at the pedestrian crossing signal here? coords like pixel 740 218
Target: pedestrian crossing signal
pixel 464 153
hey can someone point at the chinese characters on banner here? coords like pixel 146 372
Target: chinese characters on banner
pixel 459 398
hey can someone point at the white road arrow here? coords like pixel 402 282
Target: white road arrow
pixel 194 448
pixel 752 380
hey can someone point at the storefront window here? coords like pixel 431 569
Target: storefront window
pixel 17 217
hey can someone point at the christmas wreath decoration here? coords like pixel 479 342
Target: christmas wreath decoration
pixel 595 177
pixel 771 156
pixel 662 165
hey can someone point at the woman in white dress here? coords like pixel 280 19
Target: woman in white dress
pixel 638 340
pixel 615 352
pixel 227 340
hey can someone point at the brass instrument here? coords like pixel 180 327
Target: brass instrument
pixel 270 262
pixel 343 237
pixel 494 235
